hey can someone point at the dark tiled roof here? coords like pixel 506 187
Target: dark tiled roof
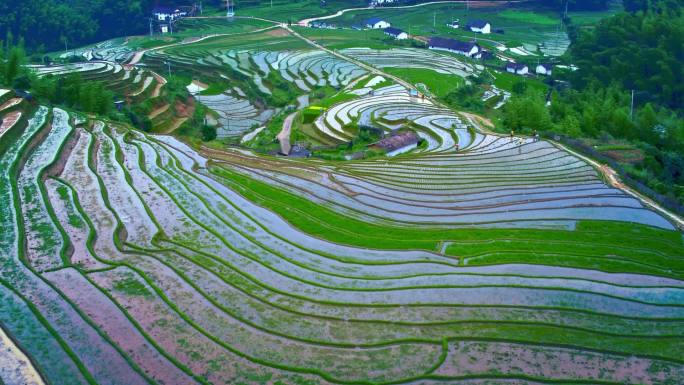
pixel 373 20
pixel 515 66
pixel 162 9
pixel 455 45
pixel 397 141
pixel 393 31
pixel 477 24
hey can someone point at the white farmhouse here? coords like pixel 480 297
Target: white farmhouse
pixel 377 23
pixel 455 46
pixel 517 68
pixel 479 26
pixel 396 33
pixel 168 13
pixel 544 69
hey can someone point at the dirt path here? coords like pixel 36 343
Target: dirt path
pixel 158 111
pixel 341 12
pixel 284 134
pixel 161 81
pixel 177 123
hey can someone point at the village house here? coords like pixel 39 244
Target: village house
pixel 375 3
pixel 396 33
pixel 517 68
pixel 456 46
pixel 456 24
pixel 544 69
pixel 168 13
pixel 321 24
pixel 396 144
pixel 377 23
pixel 479 26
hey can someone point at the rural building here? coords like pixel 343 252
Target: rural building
pixel 456 24
pixel 375 3
pixel 544 69
pixel 168 13
pixel 479 26
pixel 377 23
pixel 396 144
pixel 321 24
pixel 396 33
pixel 460 47
pixel 517 68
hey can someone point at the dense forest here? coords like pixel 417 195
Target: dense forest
pixel 636 53
pixel 47 25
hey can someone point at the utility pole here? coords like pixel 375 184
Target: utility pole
pixel 631 109
pixel 434 19
pixel 151 33
pixel 565 14
pixel 168 65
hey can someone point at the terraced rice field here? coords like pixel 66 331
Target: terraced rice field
pixel 304 70
pixel 133 82
pixel 134 259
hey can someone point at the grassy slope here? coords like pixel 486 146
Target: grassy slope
pixel 609 246
pixel 438 84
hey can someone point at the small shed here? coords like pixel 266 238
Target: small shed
pixel 396 33
pixel 517 68
pixel 456 24
pixel 377 23
pixel 396 144
pixel 479 26
pixel 544 69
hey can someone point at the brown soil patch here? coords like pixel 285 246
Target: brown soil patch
pixel 158 111
pixel 278 32
pixel 185 110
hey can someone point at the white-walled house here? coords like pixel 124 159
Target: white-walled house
pixel 544 69
pixel 517 68
pixel 168 13
pixel 396 33
pixel 377 23
pixel 480 26
pixel 455 46
pixel 456 24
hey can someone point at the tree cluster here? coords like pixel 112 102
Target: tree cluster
pixel 47 25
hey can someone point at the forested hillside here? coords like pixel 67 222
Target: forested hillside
pixel 45 25
pixel 638 52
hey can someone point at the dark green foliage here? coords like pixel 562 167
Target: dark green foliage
pixel 208 133
pixel 309 115
pixel 48 25
pixel 72 91
pixel 642 52
pixel 466 97
pixel 175 88
pixel 527 112
pixel 139 120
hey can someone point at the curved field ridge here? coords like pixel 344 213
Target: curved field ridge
pixel 133 259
